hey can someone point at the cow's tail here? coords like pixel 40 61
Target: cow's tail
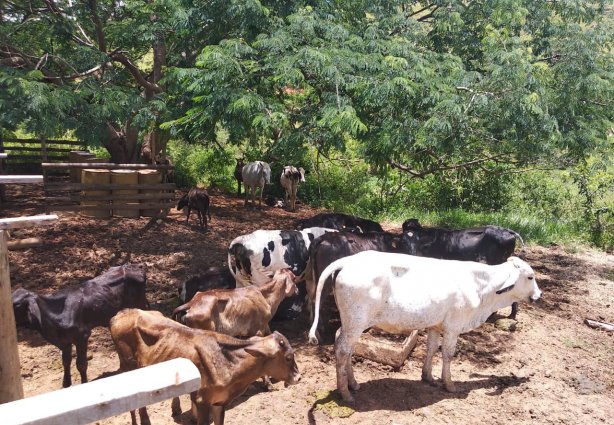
pixel 517 235
pixel 331 271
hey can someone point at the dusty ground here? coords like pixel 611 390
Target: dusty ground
pixel 554 369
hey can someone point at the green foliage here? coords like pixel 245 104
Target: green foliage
pixel 200 166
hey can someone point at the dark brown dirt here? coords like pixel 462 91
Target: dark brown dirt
pixel 553 369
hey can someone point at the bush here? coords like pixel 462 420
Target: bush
pixel 200 166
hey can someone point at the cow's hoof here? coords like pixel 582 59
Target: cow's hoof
pixel 354 387
pixel 450 387
pixel 348 399
pixel 428 379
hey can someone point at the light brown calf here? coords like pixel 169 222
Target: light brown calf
pixel 227 365
pixel 241 312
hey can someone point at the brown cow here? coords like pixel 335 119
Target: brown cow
pixel 241 312
pixel 227 365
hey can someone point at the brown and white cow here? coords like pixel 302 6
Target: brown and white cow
pixel 399 293
pixel 227 365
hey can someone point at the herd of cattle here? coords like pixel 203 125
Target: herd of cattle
pixel 446 282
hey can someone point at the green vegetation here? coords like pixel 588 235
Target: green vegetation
pixel 456 112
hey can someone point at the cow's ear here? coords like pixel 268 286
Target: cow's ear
pixel 262 348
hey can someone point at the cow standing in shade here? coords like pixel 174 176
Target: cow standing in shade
pixel 255 175
pixel 290 178
pixel 399 293
pixel 196 199
pixel 489 244
pixel 238 173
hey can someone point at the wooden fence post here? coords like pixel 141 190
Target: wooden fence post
pixel 10 371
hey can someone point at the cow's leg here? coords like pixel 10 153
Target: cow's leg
pixel 448 347
pixel 514 311
pixel 247 189
pixel 82 358
pixel 238 188
pixel 432 345
pixel 261 192
pixel 218 413
pixel 200 409
pixel 343 354
pixel 133 417
pixel 144 416
pixel 187 217
pixel 176 406
pixel 66 360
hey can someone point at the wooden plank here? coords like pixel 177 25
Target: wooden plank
pixel 165 205
pixel 52 141
pixel 112 197
pixel 38 157
pixel 21 179
pixel 28 221
pixel 384 351
pixel 34 149
pixel 107 166
pixel 87 186
pixel 10 372
pixel 103 398
pixel 24 243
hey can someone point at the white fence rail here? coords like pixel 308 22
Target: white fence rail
pixel 86 403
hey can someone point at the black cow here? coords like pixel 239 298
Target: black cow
pixel 197 199
pixel 333 246
pixel 213 278
pixel 488 244
pixel 68 316
pixel 339 221
pixel 238 173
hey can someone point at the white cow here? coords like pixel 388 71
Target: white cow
pixel 290 178
pixel 255 174
pixel 399 293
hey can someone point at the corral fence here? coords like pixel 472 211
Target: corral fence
pixel 28 155
pixel 103 189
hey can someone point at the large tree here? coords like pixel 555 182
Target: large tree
pixel 97 66
pixel 422 86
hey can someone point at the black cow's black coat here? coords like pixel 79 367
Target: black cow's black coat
pixel 212 278
pixel 339 221
pixel 196 199
pixel 488 244
pixel 68 316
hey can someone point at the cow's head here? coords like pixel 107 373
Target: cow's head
pixel 288 279
pixel 411 224
pixel 183 202
pixel 521 284
pixel 280 364
pixel 135 281
pixel 25 308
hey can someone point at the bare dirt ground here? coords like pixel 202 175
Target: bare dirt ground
pixel 552 370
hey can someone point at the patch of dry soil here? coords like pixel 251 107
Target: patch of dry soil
pixel 553 369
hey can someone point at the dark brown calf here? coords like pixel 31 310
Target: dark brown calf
pixel 197 199
pixel 227 365
pixel 68 316
pixel 238 173
pixel 241 312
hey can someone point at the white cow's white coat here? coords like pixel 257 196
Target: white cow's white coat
pixel 255 174
pixel 399 293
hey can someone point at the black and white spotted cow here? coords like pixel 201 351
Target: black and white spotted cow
pixel 254 258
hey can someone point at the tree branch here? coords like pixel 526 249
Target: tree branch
pixel 118 56
pixel 100 38
pixel 442 167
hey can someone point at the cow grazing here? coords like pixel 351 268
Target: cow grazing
pixel 240 312
pixel 333 246
pixel 238 173
pixel 255 174
pixel 68 316
pixel 339 221
pixel 290 178
pixel 399 293
pixel 213 278
pixel 227 365
pixel 488 244
pixel 253 258
pixel 196 199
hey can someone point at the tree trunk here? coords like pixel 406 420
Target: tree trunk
pixel 121 143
